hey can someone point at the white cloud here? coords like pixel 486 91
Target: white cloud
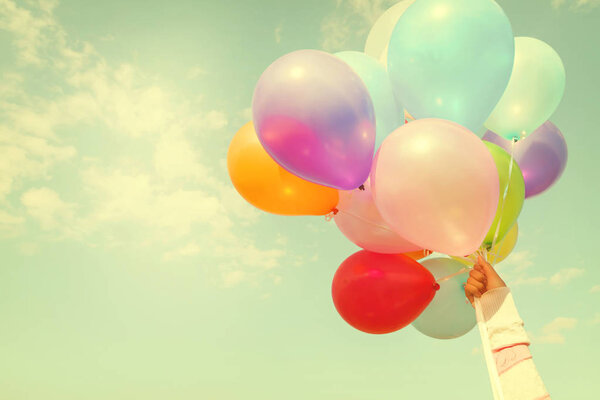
pixel 232 278
pixel 246 114
pixel 156 189
pixel 516 271
pixel 351 20
pixel 277 33
pixel 565 275
pixel 576 5
pixel 196 72
pixel 215 120
pixel 553 332
pixel 46 206
pixel 10 225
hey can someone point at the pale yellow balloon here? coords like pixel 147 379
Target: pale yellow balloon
pixel 381 32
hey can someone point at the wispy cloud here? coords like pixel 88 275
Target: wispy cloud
pixel 575 5
pixel 554 331
pixel 157 188
pixel 565 275
pixel 350 21
pixel 517 271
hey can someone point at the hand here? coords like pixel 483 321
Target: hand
pixel 482 278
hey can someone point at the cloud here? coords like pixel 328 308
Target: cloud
pixel 576 5
pixel 515 269
pixel 10 225
pixel 277 33
pixel 195 72
pixel 350 21
pixel 155 187
pixel 565 275
pixel 46 206
pixel 553 332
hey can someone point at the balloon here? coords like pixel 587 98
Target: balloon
pixel 542 156
pixel 267 186
pixel 417 255
pixel 451 59
pixel 511 203
pixel 359 220
pixel 381 293
pixel 379 37
pixel 535 88
pixel 500 250
pixel 449 315
pixel 388 115
pixel 436 184
pixel 314 116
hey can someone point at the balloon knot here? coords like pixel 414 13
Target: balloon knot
pixel 361 187
pixel 436 286
pixel 331 214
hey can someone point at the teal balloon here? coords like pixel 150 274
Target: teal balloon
pixel 449 315
pixel 388 114
pixel 534 91
pixel 451 59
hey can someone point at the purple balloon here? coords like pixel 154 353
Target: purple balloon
pixel 314 116
pixel 542 156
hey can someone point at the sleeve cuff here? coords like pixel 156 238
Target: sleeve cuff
pixel 505 326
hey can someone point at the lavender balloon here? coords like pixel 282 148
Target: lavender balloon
pixel 542 156
pixel 315 117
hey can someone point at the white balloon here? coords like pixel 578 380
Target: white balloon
pixel 381 32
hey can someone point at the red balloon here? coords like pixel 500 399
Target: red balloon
pixel 381 293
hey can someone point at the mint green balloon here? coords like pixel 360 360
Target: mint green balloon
pixel 534 91
pixel 388 114
pixel 449 315
pixel 451 59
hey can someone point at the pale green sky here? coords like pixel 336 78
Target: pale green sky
pixel 131 268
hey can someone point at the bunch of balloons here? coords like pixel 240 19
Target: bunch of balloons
pixel 329 137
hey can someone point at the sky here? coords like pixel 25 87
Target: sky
pixel 130 268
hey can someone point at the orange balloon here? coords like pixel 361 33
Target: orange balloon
pixel 266 185
pixel 417 255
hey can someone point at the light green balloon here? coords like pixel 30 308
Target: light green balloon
pixel 388 114
pixel 515 196
pixel 534 91
pixel 449 315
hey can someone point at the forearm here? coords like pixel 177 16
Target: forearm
pixel 509 341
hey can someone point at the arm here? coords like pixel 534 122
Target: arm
pixel 518 376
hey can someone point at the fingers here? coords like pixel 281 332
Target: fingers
pixel 478 284
pixel 485 266
pixel 478 275
pixel 471 292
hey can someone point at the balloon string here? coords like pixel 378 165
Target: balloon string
pixel 504 196
pixel 329 216
pixel 459 272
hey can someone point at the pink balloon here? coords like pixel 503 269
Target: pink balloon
pixel 436 184
pixel 360 221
